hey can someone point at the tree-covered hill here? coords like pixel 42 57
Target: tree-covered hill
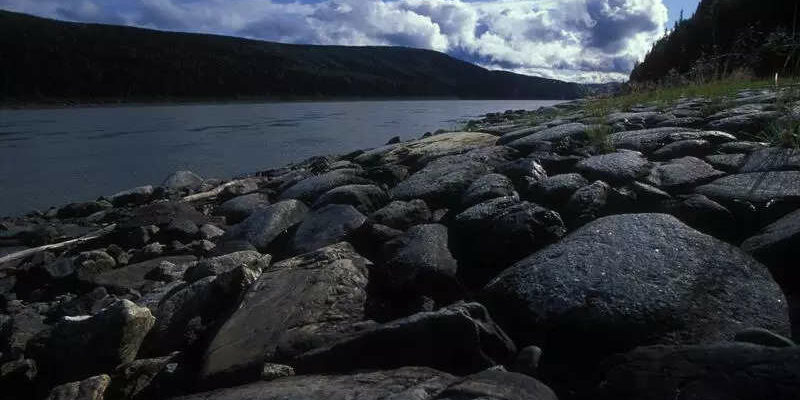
pixel 723 36
pixel 45 60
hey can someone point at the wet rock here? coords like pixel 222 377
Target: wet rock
pixel 265 225
pixel 365 198
pixel 81 346
pixel 632 280
pixel 772 159
pixel 429 148
pixel 135 196
pixel 309 189
pixel 682 174
pixel 92 388
pixel 683 148
pixel 727 162
pixel 650 140
pixel 402 214
pixel 183 180
pixel 487 187
pixel 556 190
pixel 296 305
pixel 619 167
pixel 716 372
pixel 461 338
pixel 419 262
pixel 493 234
pixel 328 225
pixel 237 209
pixel 443 181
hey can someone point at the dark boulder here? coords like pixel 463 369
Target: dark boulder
pixel 402 214
pixel 81 210
pixel 619 167
pixel 706 216
pixel 146 379
pixel 329 225
pixel 683 148
pixel 727 162
pixel 587 204
pixel 134 196
pixel 365 198
pixel 650 140
pixel 134 276
pixel 556 190
pixel 751 123
pixel 682 174
pixel 309 189
pixel 267 224
pixel 492 384
pixel 487 187
pixel 93 388
pixel 762 189
pixel 183 180
pixel 237 209
pixel 772 159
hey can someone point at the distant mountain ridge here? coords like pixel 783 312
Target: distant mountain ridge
pixel 48 60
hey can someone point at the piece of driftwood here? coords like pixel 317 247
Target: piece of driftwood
pixel 81 240
pixel 211 193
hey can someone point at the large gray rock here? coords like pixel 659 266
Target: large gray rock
pixel 296 305
pixel 650 140
pixel 619 167
pixel 727 162
pixel 135 276
pixel 328 225
pixel 556 190
pixel 79 347
pixel 402 214
pixel 238 208
pixel 93 388
pixel 758 188
pixel 443 181
pixel 225 263
pixel 460 338
pixel 554 134
pixel 683 148
pixel 137 195
pixel 419 261
pixel 180 180
pixel 587 204
pixel 632 280
pixel 487 187
pixel 491 235
pixel 309 189
pixel 716 372
pixel 745 123
pixel 365 198
pixel 772 159
pixel 682 174
pixel 265 225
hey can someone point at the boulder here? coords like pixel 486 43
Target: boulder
pixel 727 162
pixel 758 188
pixel 402 214
pixel 328 225
pixel 494 384
pixel 487 187
pixel 146 379
pixel 92 388
pixel 460 338
pixel 741 147
pixel 239 188
pixel 706 216
pixel 682 174
pixel 522 169
pixel 734 371
pixel 81 346
pixel 210 232
pixel 17 329
pixel 183 180
pixel 365 198
pixel 296 305
pixel 650 140
pixel 419 262
pixel 619 167
pixel 558 133
pixel 556 190
pixel 89 264
pixel 82 210
pixel 237 209
pixel 587 204
pixel 772 159
pixel 137 195
pixel 443 181
pixel 683 148
pixel 408 153
pixel 265 225
pixel 763 337
pixel 746 123
pixel 225 263
pixel 491 235
pixel 134 276
pixel 632 280
pixel 309 189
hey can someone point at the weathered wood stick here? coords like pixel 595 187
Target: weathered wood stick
pixel 81 240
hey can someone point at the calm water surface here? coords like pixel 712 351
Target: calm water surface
pixel 56 156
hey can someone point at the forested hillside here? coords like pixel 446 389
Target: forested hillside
pixel 723 36
pixel 46 60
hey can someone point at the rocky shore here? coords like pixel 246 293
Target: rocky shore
pixel 648 254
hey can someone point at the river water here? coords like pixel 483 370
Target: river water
pixel 51 157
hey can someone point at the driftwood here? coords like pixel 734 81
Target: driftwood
pixel 81 240
pixel 211 193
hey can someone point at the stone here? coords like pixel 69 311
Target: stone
pixel 727 162
pixel 619 167
pixel 442 182
pixel 522 168
pixel 17 330
pixel 167 272
pixel 226 263
pixel 632 280
pixel 365 198
pixel 487 187
pixel 394 140
pixel 145 378
pixel 492 384
pixel 759 188
pixel 762 337
pixel 558 133
pixel 682 174
pixel 491 235
pixel 309 189
pixel 265 225
pixel 183 180
pixel 587 204
pixel 706 216
pixel 274 371
pixel 134 276
pixel 746 123
pixel 419 261
pixel 92 388
pixel 410 152
pixel 18 379
pixel 650 140
pixel 240 188
pixel 683 148
pixel 712 372
pixel 460 338
pixel 772 159
pixel 82 346
pixel 402 214
pixel 82 210
pixel 86 304
pixel 296 305
pixel 237 209
pixel 89 264
pixel 210 232
pixel 390 174
pixel 181 229
pixel 557 189
pixel 136 196
pixel 527 360
pixel 326 226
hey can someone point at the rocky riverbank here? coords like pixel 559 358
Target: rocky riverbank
pixel 552 254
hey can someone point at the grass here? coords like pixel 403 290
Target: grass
pixel 599 138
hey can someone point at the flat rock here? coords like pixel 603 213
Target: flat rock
pixel 683 148
pixel 727 162
pixel 402 214
pixel 650 140
pixel 716 372
pixel 265 225
pixel 365 198
pixel 682 174
pixel 428 148
pixel 632 280
pixel 237 209
pixel 487 187
pixel 225 263
pixel 557 189
pixel 309 189
pixel 295 306
pixel 772 159
pixel 329 225
pixel 749 123
pixel 619 167
pixel 557 133
pixel 755 187
pixel 137 195
pixel 134 276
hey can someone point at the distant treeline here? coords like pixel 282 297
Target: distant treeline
pixel 44 60
pixel 725 36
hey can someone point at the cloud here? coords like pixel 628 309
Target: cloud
pixel 578 40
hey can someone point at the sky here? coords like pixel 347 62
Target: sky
pixel 573 40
